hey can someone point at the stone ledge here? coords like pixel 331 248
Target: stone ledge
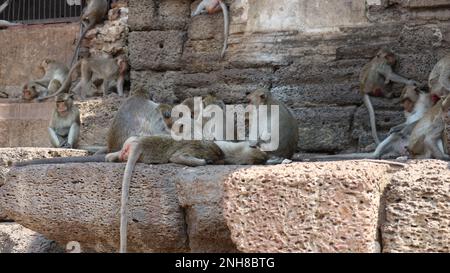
pixel 302 207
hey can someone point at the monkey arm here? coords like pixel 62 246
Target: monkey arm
pixel 391 76
pixel 54 138
pixel 74 134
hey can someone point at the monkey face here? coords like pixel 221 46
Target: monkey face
pixel 166 113
pixel 388 55
pixel 258 97
pixel 408 105
pixel 61 107
pixel 29 92
pixel 64 103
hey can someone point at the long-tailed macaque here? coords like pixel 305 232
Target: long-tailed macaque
pixel 64 129
pixel 374 78
pixel 93 14
pixel 211 7
pixel 439 79
pixel 106 68
pixel 55 73
pixel 415 104
pixel 164 149
pixel 427 136
pixel 287 124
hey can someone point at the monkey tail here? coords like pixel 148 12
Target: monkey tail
pixel 66 85
pixel 343 157
pixel 77 48
pixel 132 159
pixel 226 21
pixel 61 160
pixel 373 127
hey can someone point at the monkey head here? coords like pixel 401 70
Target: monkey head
pixel 64 103
pixel 166 112
pixel 123 64
pixel 212 99
pixel 388 55
pixel 259 97
pixel 29 91
pixel 409 97
pixel 437 90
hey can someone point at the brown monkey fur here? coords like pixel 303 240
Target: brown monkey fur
pixel 64 128
pixel 415 104
pixel 106 68
pixel 374 78
pixel 93 14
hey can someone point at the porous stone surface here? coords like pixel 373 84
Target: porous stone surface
pixel 301 207
pixel 10 155
pixel 82 204
pixel 200 193
pixel 417 209
pixel 306 207
pixel 14 238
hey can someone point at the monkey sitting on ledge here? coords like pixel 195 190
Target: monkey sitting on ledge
pixel 64 129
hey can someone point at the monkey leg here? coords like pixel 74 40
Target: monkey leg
pixel 373 126
pixel 53 86
pixel 187 160
pixel 113 157
pixel 119 86
pixel 56 140
pixel 74 134
pixel 431 143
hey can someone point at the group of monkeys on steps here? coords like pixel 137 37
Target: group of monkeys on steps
pixel 141 129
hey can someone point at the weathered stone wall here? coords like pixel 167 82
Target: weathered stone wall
pixel 309 52
pixel 23 48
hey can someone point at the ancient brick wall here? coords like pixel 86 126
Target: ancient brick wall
pixel 309 52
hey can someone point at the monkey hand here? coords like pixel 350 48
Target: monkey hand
pixel 396 129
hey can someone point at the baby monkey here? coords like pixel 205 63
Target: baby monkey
pixel 64 129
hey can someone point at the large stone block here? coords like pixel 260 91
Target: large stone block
pixel 324 129
pixel 417 213
pixel 157 50
pixel 159 15
pixel 319 207
pixel 200 193
pixel 85 201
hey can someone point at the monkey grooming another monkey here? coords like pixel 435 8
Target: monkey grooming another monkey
pixel 211 7
pixel 106 68
pixel 288 126
pixel 415 104
pixel 93 14
pixel 374 78
pixel 55 73
pixel 439 79
pixel 64 129
pixel 427 136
